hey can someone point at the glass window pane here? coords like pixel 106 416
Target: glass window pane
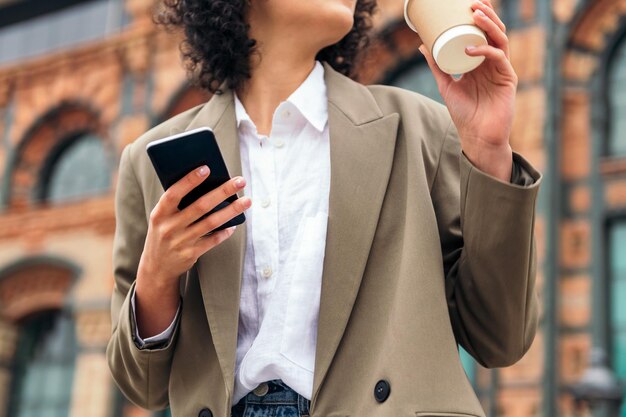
pixel 10 44
pixel 54 389
pixel 618 303
pixel 617 95
pixel 617 273
pixel 82 170
pixel 45 412
pixel 35 37
pixel 618 249
pixel 43 372
pixel 619 354
pixel 63 28
pixel 618 132
pixel 468 364
pixel 31 383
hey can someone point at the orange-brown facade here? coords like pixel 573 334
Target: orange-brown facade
pixel 56 256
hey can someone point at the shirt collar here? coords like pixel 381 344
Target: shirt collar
pixel 309 99
pixel 241 114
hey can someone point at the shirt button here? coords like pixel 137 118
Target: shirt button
pixel 267 272
pixel 279 143
pixel 265 203
pixel 286 114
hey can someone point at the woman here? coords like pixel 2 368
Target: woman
pixel 385 229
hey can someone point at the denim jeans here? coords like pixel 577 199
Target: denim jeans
pixel 277 400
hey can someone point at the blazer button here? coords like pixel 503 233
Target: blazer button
pixel 382 390
pixel 205 412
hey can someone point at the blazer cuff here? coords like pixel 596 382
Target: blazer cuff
pixel 489 202
pixel 159 341
pixel 523 174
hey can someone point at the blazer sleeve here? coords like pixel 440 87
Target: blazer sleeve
pixel 486 229
pixel 141 374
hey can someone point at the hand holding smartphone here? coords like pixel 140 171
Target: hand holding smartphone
pixel 186 222
pixel 175 156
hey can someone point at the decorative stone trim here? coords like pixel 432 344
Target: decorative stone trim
pixel 32 289
pixel 95 213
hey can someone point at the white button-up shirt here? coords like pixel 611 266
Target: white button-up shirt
pixel 288 180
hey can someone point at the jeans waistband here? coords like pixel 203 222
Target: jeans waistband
pixel 277 393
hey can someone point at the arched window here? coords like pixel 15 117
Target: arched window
pixel 617 291
pixel 63 156
pixel 79 168
pixel 39 356
pixel 44 366
pixel 616 90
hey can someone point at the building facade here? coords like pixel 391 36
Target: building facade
pixel 81 79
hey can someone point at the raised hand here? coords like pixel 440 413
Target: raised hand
pixel 482 102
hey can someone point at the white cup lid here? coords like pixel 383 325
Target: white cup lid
pixel 406 16
pixel 449 49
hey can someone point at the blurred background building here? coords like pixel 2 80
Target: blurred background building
pixel 81 79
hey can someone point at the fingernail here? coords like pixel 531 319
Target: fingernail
pixel 480 13
pixel 421 48
pixel 239 182
pixel 203 170
pixel 232 229
pixel 470 48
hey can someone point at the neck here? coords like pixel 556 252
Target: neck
pixel 274 78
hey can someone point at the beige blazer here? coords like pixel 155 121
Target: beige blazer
pixel 423 251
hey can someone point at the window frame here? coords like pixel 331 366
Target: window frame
pixel 616 42
pixel 21 362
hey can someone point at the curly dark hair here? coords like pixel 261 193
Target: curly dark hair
pixel 217 48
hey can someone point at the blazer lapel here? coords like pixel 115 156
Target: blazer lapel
pixel 220 270
pixel 362 142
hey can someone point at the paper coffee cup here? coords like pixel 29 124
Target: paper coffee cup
pixel 446 29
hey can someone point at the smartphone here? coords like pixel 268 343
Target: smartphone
pixel 175 156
